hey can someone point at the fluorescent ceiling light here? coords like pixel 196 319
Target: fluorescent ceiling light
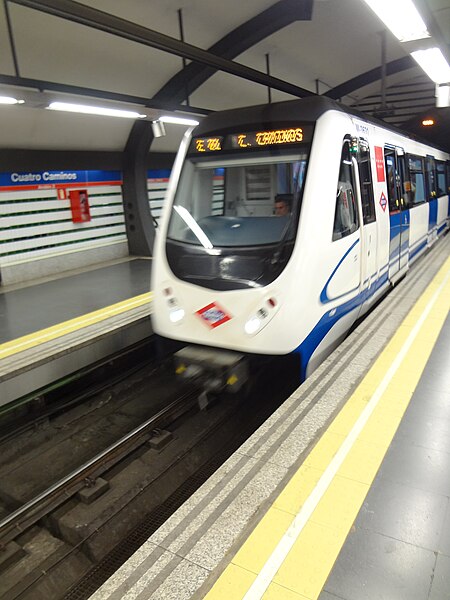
pixel 401 17
pixel 95 110
pixel 442 96
pixel 434 64
pixel 177 120
pixel 10 100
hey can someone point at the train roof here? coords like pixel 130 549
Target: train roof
pixel 306 109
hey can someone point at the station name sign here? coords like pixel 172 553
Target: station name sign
pixel 55 179
pixel 49 176
pixel 250 140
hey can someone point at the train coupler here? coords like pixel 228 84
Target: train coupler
pixel 216 370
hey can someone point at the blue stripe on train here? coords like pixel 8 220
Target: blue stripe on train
pixel 318 333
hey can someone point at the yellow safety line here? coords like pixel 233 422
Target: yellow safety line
pixel 291 552
pixel 45 335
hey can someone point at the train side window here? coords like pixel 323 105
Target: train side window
pixel 365 180
pixel 417 175
pixel 441 182
pixel 346 213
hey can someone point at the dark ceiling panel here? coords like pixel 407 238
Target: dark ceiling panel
pixel 439 133
pixel 356 83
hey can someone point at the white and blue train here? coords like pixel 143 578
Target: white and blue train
pixel 362 202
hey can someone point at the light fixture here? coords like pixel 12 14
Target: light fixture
pixel 95 110
pixel 177 120
pixel 401 17
pixel 158 129
pixel 434 64
pixel 442 95
pixel 428 122
pixel 10 100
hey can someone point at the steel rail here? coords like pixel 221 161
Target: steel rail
pixel 33 510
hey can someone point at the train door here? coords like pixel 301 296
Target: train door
pixel 367 216
pixel 448 190
pixel 430 168
pixel 398 211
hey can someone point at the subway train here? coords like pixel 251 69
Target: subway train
pixel 236 279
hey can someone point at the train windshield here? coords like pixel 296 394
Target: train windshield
pixel 240 202
pixel 234 220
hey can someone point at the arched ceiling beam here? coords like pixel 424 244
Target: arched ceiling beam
pixel 356 83
pixel 247 35
pixel 102 21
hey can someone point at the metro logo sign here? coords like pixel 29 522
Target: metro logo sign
pixel 383 202
pixel 213 315
pixel 379 162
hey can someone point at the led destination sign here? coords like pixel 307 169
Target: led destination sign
pixel 209 144
pixel 247 140
pixel 267 138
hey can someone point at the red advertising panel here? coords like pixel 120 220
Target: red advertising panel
pixel 79 205
pixel 379 161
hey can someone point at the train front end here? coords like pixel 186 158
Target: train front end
pixel 223 269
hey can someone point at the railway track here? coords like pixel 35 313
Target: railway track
pixel 60 534
pixel 86 475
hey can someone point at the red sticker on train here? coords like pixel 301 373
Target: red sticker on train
pixel 213 315
pixel 379 162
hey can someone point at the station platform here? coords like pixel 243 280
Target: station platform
pixel 344 492
pixel 51 328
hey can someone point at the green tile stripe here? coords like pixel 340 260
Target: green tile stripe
pixel 62 209
pixel 60 245
pixel 69 232
pixel 54 199
pixel 58 222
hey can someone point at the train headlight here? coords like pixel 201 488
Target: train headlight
pixel 176 314
pixel 261 316
pixel 252 325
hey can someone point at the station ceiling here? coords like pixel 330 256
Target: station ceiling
pixel 129 55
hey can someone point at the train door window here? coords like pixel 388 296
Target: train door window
pixel 346 213
pixel 441 182
pixel 391 178
pixel 431 177
pixel 404 182
pixel 365 180
pixel 417 179
pixel 448 176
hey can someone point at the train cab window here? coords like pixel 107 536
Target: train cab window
pixel 417 180
pixel 365 180
pixel 346 219
pixel 229 202
pixel 441 180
